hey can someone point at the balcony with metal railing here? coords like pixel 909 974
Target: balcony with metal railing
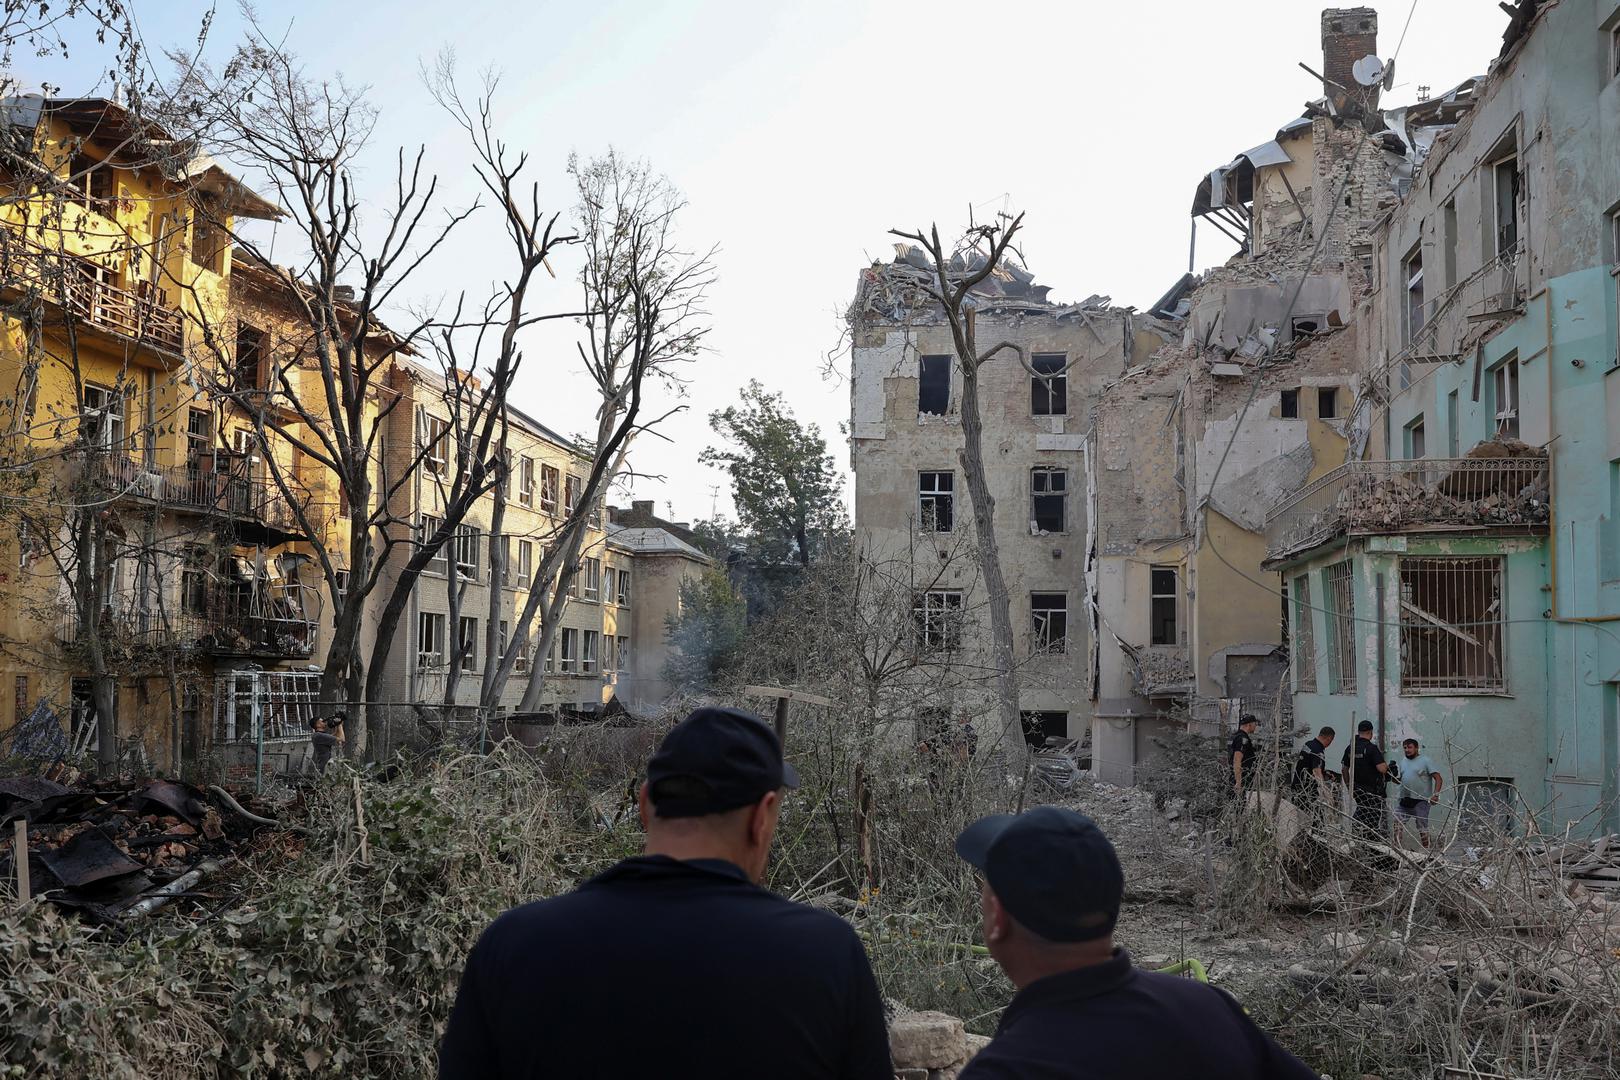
pixel 213 620
pixel 1426 494
pixel 215 485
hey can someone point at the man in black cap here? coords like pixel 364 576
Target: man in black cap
pixel 677 963
pixel 1366 778
pixel 1241 756
pixel 1051 896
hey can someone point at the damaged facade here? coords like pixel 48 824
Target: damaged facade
pixel 1366 469
pixel 160 546
pixel 1455 583
pixel 912 508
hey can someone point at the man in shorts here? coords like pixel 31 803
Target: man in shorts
pixel 1419 789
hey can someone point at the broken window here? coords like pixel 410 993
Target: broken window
pixel 94 179
pixel 102 422
pixel 1505 397
pixel 1412 272
pixel 570 650
pixel 437 564
pixel 1452 437
pixel 250 344
pixel 548 489
pixel 1288 405
pixel 1614 52
pixel 571 486
pixel 429 639
pixel 1040 728
pixel 624 587
pixel 1048 488
pixel 194 580
pixel 466 545
pixel 1505 181
pixel 1451 625
pixel 1327 402
pixel 936 501
pixel 432 439
pixel 199 436
pixel 525 564
pixel 1049 386
pixel 526 481
pixel 593 579
pixel 208 243
pixel 624 652
pixel 937 618
pixel 934 385
pixel 1448 242
pixel 1304 637
pixel 1162 606
pixel 609 578
pixel 1341 624
pixel 1050 615
pixel 467 643
pixel 1416 446
pixel 587 660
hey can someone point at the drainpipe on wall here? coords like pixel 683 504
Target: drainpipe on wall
pixel 1379 585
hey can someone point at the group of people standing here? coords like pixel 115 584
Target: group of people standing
pixel 1363 768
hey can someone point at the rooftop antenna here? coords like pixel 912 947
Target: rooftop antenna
pixel 714 500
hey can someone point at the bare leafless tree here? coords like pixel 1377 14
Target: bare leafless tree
pixel 951 281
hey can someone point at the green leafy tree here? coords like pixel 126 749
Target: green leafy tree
pixel 787 491
pixel 705 632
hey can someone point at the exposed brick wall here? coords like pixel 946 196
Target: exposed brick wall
pixel 1348 34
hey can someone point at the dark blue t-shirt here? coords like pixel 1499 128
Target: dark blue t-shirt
pixel 1115 1022
pixel 660 967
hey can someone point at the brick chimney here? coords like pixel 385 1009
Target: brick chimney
pixel 642 506
pixel 1348 34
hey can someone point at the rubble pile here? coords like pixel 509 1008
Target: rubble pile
pixel 1161 671
pixel 112 851
pixel 930 1045
pixel 1593 864
pixel 1511 496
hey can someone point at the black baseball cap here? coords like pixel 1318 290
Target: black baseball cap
pixel 1052 868
pixel 715 760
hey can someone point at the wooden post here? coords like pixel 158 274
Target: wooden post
pixel 782 697
pixel 19 858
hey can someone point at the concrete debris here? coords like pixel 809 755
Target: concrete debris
pixel 926 1041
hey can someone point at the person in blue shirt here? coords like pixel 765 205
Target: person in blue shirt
pixel 1420 786
pixel 1051 893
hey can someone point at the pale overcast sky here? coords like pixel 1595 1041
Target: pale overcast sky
pixel 801 132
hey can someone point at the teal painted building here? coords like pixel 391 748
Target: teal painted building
pixel 1495 635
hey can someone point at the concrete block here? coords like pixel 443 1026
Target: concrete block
pixel 926 1040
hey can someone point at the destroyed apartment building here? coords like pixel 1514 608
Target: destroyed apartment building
pixel 1455 583
pixel 1364 469
pixel 912 510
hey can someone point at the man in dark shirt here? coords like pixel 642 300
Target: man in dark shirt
pixel 1051 895
pixel 1366 780
pixel 1241 757
pixel 324 741
pixel 676 963
pixel 1310 780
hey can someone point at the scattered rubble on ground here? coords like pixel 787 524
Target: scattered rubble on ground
pixel 117 850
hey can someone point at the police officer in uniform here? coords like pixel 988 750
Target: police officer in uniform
pixel 677 962
pixel 1240 755
pixel 1050 898
pixel 1366 777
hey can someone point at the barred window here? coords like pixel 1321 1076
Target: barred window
pixel 1451 625
pixel 1341 608
pixel 1304 637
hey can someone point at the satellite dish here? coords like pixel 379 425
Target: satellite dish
pixel 1369 71
pixel 1389 75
